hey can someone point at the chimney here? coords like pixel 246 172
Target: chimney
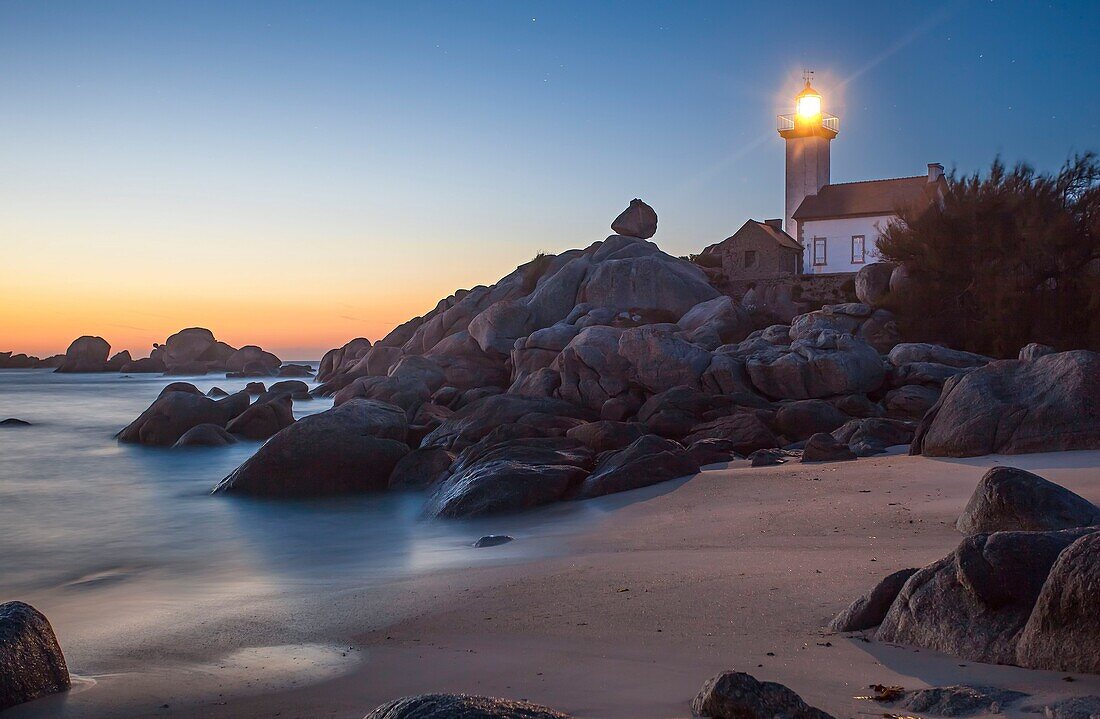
pixel 935 172
pixel 777 224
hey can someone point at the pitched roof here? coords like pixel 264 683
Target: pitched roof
pixel 871 197
pixel 779 236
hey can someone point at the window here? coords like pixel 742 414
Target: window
pixel 819 251
pixel 857 250
pixel 750 258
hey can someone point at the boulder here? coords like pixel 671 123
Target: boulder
pixel 1008 499
pixel 205 435
pixel 1087 707
pixel 824 365
pixel 187 346
pixel 195 368
pixel 800 419
pixel 659 360
pixel 872 435
pixel 1012 407
pixel 957 701
pixel 421 469
pixel 255 388
pixel 1063 632
pixel 296 389
pixel 648 460
pixel 476 420
pixel 263 419
pixel 676 411
pixel 175 412
pixel 295 370
pixel 217 392
pixel 341 358
pixel 592 372
pixel 31 662
pixel 910 402
pixel 873 282
pixel 1034 351
pixel 930 374
pixel 772 457
pixel 461 706
pixel 712 451
pixel 346 449
pixel 144 365
pixel 908 352
pixel 86 354
pixel 492 540
pixel 736 695
pixel 821 447
pixel 715 322
pixel 637 220
pixel 870 609
pixel 606 435
pixel 119 360
pixel 745 433
pixel 654 284
pixel 974 603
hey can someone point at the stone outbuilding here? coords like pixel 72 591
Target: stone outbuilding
pixel 759 250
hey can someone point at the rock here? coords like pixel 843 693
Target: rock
pixel 253 360
pixel 119 360
pixel 772 457
pixel 461 706
pixel 870 609
pixel 659 360
pixel 801 419
pixel 592 372
pixel 901 279
pixel 821 447
pixel 1048 404
pixel 31 661
pixel 1008 499
pixel 715 322
pixel 187 346
pixel 648 460
pixel 343 450
pixel 295 370
pixel 676 412
pixel 263 419
pixel 509 477
pixel 930 374
pixel 86 354
pixel 910 402
pixel 493 540
pixel 175 412
pixel 638 220
pixel 873 282
pixel 217 392
pixel 14 422
pixel 856 405
pixel 205 435
pixel 745 432
pixel 474 421
pixel 712 451
pixel 1087 707
pixel 195 368
pixel 296 389
pixel 655 284
pixel 974 603
pixel 255 388
pixel 181 387
pixel 146 364
pixel 422 468
pixel 825 365
pixel 1035 351
pixel 736 695
pixel 908 352
pixel 873 435
pixel 605 435
pixel 958 700
pixel 341 359
pixel 1063 632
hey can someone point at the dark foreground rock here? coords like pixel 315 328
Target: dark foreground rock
pixel 263 419
pixel 1048 404
pixel 461 706
pixel 648 460
pixel 31 662
pixel 1009 499
pixel 957 701
pixel 736 695
pixel 350 448
pixel 870 609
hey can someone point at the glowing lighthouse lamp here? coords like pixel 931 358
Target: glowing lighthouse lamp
pixel 807 132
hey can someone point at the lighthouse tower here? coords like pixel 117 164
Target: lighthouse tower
pixel 808 132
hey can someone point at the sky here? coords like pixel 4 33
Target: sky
pixel 296 174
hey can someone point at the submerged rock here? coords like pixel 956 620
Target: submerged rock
pixel 461 706
pixel 736 695
pixel 31 662
pixel 493 540
pixel 14 422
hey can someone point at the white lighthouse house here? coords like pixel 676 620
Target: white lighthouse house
pixel 838 225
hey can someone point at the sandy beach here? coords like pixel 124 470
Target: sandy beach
pixel 734 568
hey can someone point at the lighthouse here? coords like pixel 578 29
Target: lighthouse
pixel 808 131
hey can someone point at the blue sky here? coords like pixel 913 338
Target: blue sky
pixel 368 158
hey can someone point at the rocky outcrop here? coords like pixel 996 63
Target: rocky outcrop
pixel 86 354
pixel 800 419
pixel 1048 404
pixel 736 695
pixel 873 435
pixel 478 419
pixel 648 460
pixel 870 609
pixel 31 662
pixel 823 365
pixel 118 361
pixel 461 706
pixel 606 435
pixel 1010 499
pixel 350 448
pixel 176 411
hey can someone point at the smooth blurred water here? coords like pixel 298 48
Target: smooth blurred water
pixel 79 510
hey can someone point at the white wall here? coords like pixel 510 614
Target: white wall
pixel 838 234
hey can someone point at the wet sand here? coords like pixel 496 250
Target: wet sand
pixel 735 568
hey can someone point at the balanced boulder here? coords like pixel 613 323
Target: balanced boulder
pixel 637 220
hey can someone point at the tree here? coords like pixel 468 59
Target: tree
pixel 1005 259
